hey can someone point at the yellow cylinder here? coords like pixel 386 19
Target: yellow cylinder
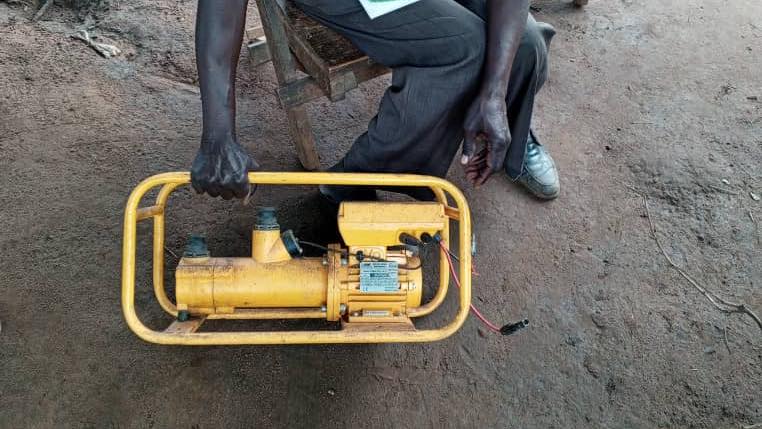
pixel 213 285
pixel 267 246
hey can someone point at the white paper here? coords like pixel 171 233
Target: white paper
pixel 376 9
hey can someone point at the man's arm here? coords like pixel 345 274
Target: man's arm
pixel 221 165
pixel 487 118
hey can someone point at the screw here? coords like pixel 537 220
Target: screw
pixel 183 315
pixel 342 308
pixel 323 309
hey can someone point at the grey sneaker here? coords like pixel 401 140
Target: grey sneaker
pixel 539 175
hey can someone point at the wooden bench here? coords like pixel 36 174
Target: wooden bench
pixel 310 61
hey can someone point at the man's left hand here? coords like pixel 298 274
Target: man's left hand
pixel 486 120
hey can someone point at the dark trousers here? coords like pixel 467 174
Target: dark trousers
pixel 436 49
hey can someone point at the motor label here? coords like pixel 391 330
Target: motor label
pixel 379 277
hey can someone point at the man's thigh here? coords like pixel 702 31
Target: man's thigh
pixel 532 34
pixel 425 34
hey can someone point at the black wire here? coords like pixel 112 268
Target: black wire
pixel 341 251
pixel 315 245
pixel 346 252
pixel 436 239
pixel 454 256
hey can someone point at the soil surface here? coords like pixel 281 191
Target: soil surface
pixel 662 99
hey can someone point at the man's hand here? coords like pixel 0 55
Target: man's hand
pixel 221 166
pixel 221 169
pixel 486 120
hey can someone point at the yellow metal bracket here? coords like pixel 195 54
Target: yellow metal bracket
pixel 187 335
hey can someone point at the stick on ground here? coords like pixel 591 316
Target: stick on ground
pixel 103 49
pixel 725 336
pixel 720 303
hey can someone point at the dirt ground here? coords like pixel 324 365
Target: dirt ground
pixel 644 96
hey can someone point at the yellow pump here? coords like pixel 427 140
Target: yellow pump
pixel 337 284
pixel 373 286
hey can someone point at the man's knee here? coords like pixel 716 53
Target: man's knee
pixel 532 53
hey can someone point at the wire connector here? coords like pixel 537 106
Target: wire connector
pixel 409 240
pixel 511 328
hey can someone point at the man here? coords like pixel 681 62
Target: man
pixel 463 71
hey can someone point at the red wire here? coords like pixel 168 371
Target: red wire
pixel 474 310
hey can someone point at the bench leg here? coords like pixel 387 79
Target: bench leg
pixel 301 131
pixel 287 72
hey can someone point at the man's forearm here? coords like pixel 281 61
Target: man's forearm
pixel 505 27
pixel 219 32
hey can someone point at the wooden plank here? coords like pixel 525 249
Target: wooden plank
pixel 310 60
pixel 188 327
pixel 306 89
pixel 327 44
pixel 330 58
pixel 299 92
pixel 367 70
pixel 272 23
pixel 340 84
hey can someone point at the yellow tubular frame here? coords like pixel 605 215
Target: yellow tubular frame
pixel 170 181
